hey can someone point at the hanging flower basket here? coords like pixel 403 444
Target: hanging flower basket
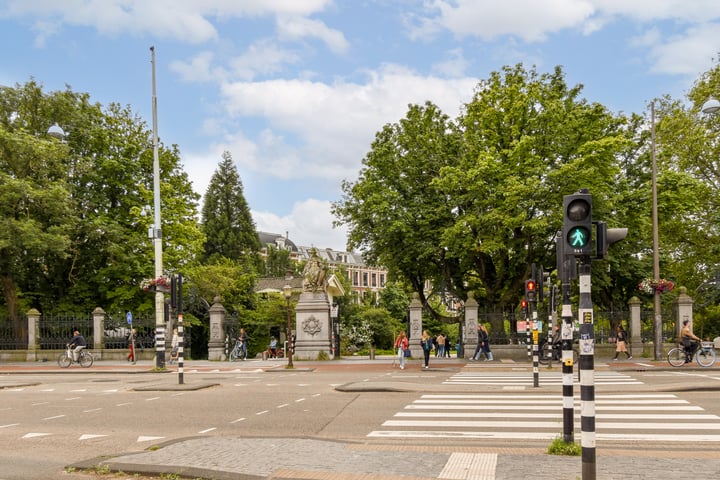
pixel 650 286
pixel 160 284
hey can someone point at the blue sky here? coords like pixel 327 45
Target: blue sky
pixel 296 89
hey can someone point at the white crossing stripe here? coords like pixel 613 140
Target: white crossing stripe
pixel 526 379
pixel 623 417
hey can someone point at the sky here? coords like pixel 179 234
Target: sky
pixel 296 90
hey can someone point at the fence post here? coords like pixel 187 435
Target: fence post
pixel 33 329
pixel 98 329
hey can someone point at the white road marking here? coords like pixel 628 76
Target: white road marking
pixel 208 430
pixel 87 436
pixel 33 435
pixel 238 420
pixel 53 418
pixel 262 413
pixel 142 438
pixel 9 425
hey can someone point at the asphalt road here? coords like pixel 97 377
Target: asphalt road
pixel 50 419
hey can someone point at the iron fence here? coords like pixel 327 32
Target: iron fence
pixel 56 330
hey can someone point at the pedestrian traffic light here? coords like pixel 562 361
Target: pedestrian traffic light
pixel 530 288
pixel 523 306
pixel 577 223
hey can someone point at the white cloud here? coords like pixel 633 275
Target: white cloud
pixel 297 28
pixel 690 53
pixel 183 20
pixel 307 225
pixel 333 125
pixel 530 20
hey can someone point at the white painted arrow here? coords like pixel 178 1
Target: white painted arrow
pixel 88 436
pixel 148 439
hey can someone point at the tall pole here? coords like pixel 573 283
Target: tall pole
pixel 657 312
pixel 157 232
pixel 587 371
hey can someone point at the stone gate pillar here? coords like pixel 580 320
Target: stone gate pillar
pixel 98 329
pixel 216 345
pixel 683 309
pixel 471 322
pixel 635 328
pixel 33 329
pixel 416 327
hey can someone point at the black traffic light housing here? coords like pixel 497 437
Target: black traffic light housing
pixel 577 224
pixel 530 290
pixel 607 236
pixel 524 307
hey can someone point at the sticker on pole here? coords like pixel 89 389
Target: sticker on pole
pixel 129 317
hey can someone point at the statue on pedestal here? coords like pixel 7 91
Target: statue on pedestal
pixel 314 274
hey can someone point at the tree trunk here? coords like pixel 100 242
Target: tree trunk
pixel 11 300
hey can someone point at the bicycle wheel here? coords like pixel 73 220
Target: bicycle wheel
pixel 86 359
pixel 234 354
pixel 545 354
pixel 63 360
pixel 705 357
pixel 676 357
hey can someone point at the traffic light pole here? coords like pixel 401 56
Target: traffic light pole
pixel 567 359
pixel 587 371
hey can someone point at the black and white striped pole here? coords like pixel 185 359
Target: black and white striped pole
pixel 180 333
pixel 587 372
pixel 530 291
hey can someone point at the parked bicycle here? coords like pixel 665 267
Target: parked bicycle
pixel 65 359
pixel 553 352
pixel 705 355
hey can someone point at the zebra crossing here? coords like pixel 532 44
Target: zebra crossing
pixel 525 379
pixel 647 417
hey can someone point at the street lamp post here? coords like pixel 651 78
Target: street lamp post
pixel 287 291
pixel 657 312
pixel 157 233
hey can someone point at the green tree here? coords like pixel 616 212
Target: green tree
pixel 470 204
pixel 227 222
pixel 104 165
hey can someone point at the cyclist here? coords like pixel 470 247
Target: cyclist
pixel 688 339
pixel 243 337
pixel 77 343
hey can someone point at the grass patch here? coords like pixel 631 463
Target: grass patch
pixel 560 447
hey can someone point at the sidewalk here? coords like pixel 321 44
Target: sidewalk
pixel 220 458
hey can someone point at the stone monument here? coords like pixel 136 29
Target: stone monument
pixel 312 313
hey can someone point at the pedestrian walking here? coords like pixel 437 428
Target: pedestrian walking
pixel 427 344
pixel 441 345
pixel 479 349
pixel 243 337
pixel 401 346
pixel 131 345
pixel 486 343
pixel 621 342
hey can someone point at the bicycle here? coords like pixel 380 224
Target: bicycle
pixel 705 355
pixel 85 358
pixel 553 353
pixel 238 351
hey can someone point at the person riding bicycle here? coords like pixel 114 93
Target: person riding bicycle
pixel 688 339
pixel 77 343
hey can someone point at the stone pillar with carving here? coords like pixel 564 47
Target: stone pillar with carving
pixel 416 326
pixel 470 337
pixel 216 345
pixel 683 309
pixel 312 326
pixel 635 326
pixel 33 329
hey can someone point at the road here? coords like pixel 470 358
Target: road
pixel 49 420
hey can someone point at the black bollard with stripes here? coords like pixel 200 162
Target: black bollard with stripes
pixel 587 372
